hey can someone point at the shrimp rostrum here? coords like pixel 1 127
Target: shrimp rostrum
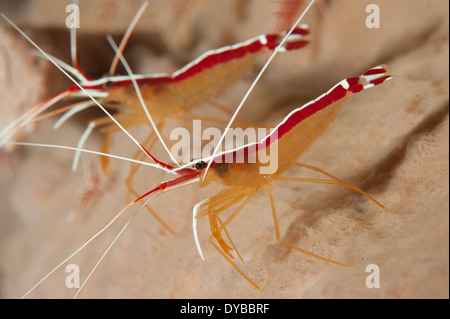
pixel 243 172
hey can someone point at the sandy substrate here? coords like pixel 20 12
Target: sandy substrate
pixel 391 141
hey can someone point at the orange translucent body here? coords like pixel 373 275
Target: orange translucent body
pixel 243 180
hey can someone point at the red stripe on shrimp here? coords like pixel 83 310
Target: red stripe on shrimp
pixel 213 58
pixel 341 90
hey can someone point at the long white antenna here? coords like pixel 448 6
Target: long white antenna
pixel 141 99
pixel 80 248
pixel 277 49
pixel 76 83
pixel 62 147
pixel 112 243
pixel 126 36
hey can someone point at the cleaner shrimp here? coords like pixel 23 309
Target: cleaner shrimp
pixel 281 271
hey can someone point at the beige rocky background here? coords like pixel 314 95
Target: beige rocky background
pixel 392 141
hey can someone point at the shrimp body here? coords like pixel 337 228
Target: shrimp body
pixel 206 77
pixel 300 128
pixel 243 177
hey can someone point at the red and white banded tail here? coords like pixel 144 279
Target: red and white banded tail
pixel 372 77
pixel 295 40
pixel 343 89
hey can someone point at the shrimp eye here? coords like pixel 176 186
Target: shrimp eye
pixel 108 84
pixel 200 165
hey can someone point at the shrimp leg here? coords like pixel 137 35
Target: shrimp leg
pixel 215 206
pixel 233 264
pixel 216 229
pixel 280 240
pixel 341 183
pixel 335 181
